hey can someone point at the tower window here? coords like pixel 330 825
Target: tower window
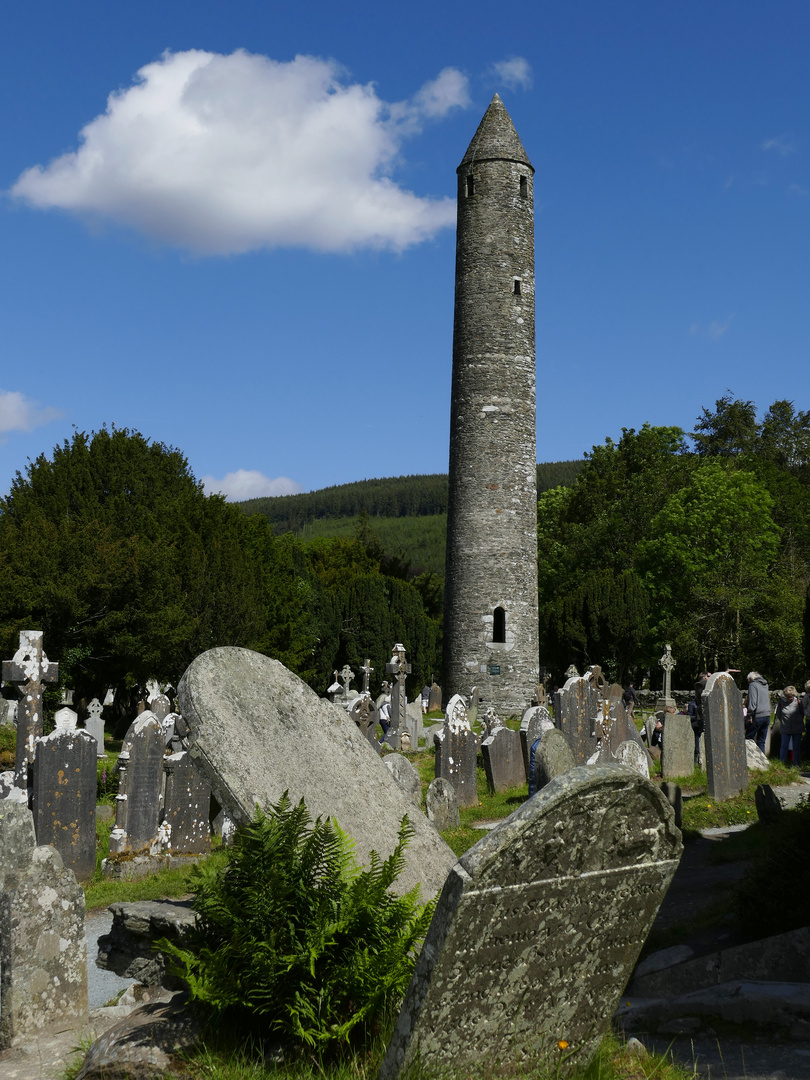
pixel 499 625
pixel 516 287
pixel 470 186
pixel 524 187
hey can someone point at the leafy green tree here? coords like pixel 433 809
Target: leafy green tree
pixel 297 940
pixel 708 563
pixel 113 549
pixel 730 430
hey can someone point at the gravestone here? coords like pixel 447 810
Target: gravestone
pixel 406 776
pixel 571 672
pixel 400 669
pixel 537 930
pixel 667 662
pixel 64 794
pixel 258 731
pixel 503 760
pixel 140 767
pixel 365 715
pixel 367 670
pixel 8 713
pixel 42 938
pixel 632 755
pixel 535 721
pixel 674 796
pixel 94 725
pixel 441 804
pixel 552 758
pixel 457 753
pixel 435 700
pixel 678 749
pixel 472 711
pixel 754 758
pixel 347 678
pixel 30 670
pixel 575 708
pixel 160 706
pixel 413 725
pixel 726 767
pixel 184 828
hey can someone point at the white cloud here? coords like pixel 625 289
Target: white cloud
pixel 226 154
pixel 714 331
pixel 19 413
pixel 797 189
pixel 249 484
pixel 515 73
pixel 781 144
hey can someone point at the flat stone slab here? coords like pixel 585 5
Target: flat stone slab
pixel 537 930
pixel 257 730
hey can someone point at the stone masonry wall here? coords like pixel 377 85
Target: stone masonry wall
pixel 492 518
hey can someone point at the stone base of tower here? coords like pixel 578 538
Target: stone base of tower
pixel 502 684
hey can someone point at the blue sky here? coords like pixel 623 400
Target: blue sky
pixel 247 250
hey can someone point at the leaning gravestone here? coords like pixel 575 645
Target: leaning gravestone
pixel 64 794
pixel 184 824
pixel 537 931
pixel 574 712
pixel 258 731
pixel 503 760
pixel 441 804
pixel 457 752
pixel 435 699
pixel 42 938
pixel 535 721
pixel 726 766
pixel 678 748
pixel 552 758
pixel 140 768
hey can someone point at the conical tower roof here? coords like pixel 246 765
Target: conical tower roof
pixel 496 138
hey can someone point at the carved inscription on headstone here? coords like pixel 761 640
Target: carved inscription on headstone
pixel 140 766
pixel 574 712
pixel 537 930
pixel 64 797
pixel 184 818
pixel 457 751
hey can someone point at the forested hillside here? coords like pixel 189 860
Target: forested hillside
pixel 397 496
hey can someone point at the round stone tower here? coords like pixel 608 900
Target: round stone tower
pixel 490 611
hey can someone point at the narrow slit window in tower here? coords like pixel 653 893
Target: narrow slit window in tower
pixel 470 186
pixel 499 625
pixel 516 287
pixel 524 187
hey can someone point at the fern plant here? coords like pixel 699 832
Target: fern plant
pixel 293 933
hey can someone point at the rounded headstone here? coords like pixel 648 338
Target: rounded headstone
pixel 552 758
pixel 441 804
pixel 632 755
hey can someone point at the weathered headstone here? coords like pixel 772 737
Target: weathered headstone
pixel 160 706
pixel 632 755
pixel 64 794
pixel 8 713
pixel 406 776
pixel 537 931
pixel 535 721
pixel 575 708
pixel 674 796
pixel 754 758
pixel 435 700
pixel 258 730
pixel 30 670
pixel 475 701
pixel 552 758
pixel 441 804
pixel 726 767
pixel 140 765
pixel 400 669
pixel 365 715
pixel 347 678
pixel 184 828
pixel 571 672
pixel 413 725
pixel 503 760
pixel 457 753
pixel 42 938
pixel 667 662
pixel 678 748
pixel 94 725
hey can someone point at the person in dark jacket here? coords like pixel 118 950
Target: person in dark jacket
pixel 630 701
pixel 790 714
pixel 698 723
pixel 759 710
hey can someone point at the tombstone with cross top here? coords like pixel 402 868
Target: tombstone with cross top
pixel 667 662
pixel 400 669
pixel 31 670
pixel 367 670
